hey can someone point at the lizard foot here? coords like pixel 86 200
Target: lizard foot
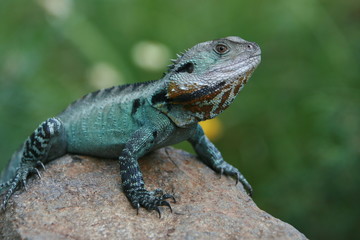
pixel 19 178
pixel 227 169
pixel 150 200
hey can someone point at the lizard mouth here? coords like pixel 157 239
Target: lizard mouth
pixel 255 59
pixel 257 55
pixel 240 68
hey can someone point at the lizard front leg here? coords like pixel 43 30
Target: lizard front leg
pixel 131 176
pixel 211 156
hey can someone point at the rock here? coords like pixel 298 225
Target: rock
pixel 80 197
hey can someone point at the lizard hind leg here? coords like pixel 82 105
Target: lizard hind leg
pixel 46 141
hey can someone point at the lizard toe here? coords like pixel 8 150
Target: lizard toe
pixel 150 200
pixel 168 196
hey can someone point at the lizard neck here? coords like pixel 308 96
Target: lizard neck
pixel 194 103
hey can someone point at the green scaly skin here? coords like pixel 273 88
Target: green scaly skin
pixel 128 121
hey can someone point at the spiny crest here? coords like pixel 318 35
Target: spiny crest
pixel 177 60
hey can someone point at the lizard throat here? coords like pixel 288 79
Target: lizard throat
pixel 208 101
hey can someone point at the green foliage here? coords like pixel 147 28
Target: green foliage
pixel 294 131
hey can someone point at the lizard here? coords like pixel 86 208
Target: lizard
pixel 128 121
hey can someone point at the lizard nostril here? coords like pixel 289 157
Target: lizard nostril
pixel 252 47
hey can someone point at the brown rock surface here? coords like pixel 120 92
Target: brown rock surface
pixel 80 198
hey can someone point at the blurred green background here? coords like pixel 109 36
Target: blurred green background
pixel 294 131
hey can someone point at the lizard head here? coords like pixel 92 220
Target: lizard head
pixel 206 78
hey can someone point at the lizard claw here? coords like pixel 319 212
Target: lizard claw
pixel 167 196
pixel 221 172
pixel 3 207
pixel 227 169
pixel 37 172
pixel 137 208
pixel 41 164
pixel 166 203
pixel 245 183
pixel 158 210
pixel 24 184
pixel 149 200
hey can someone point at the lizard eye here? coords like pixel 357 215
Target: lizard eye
pixel 187 67
pixel 221 48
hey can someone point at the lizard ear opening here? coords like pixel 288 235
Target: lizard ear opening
pixel 187 67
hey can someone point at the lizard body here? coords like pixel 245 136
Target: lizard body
pixel 128 121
